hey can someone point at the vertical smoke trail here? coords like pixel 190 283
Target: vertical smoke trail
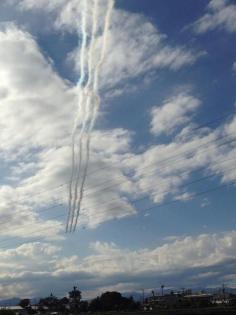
pixel 87 102
pixel 90 64
pixel 104 41
pixel 80 83
pixel 104 48
pixel 82 182
pixel 96 100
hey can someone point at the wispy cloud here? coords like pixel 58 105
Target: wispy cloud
pixel 234 66
pixel 220 14
pixel 136 46
pixel 42 149
pixel 198 260
pixel 174 112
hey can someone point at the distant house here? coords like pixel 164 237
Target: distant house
pixel 172 300
pixel 178 300
pixel 224 299
pixel 199 300
pixel 17 309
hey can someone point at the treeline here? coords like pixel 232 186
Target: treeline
pixel 113 301
pixel 108 301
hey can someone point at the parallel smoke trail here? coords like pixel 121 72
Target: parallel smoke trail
pixel 96 100
pixel 104 45
pixel 80 83
pixel 87 88
pixel 85 103
pixel 82 184
pixel 104 48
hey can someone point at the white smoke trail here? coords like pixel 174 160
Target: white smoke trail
pixel 96 100
pixel 104 41
pixel 81 192
pixel 90 66
pixel 86 103
pixel 102 57
pixel 80 109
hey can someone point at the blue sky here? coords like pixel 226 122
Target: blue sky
pixel 159 200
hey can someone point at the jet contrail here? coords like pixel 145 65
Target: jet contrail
pixel 85 104
pixel 89 103
pixel 96 101
pixel 80 109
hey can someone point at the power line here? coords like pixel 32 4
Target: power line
pixel 150 208
pixel 230 113
pixel 164 160
pixel 131 201
pixel 43 210
pixel 142 198
pixel 36 231
pixel 219 118
pixel 146 167
pixel 162 192
pixel 114 199
pixel 119 183
pixel 193 196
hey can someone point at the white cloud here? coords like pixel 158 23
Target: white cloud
pixel 36 119
pixel 15 289
pixel 173 113
pixel 221 14
pixel 234 66
pixel 187 252
pixel 42 4
pixel 33 92
pixel 40 151
pixel 180 261
pixel 26 258
pixel 18 219
pixel 135 46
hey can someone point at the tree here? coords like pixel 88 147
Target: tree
pixel 24 303
pixel 95 305
pixel 113 301
pixel 74 299
pixel 83 307
pixel 6 312
pixel 63 304
pixel 110 301
pixel 50 302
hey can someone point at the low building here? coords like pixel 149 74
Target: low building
pixel 199 300
pixel 17 309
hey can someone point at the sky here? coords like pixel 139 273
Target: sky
pixel 159 199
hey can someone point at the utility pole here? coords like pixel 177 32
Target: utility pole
pixel 143 295
pixel 162 289
pixel 223 290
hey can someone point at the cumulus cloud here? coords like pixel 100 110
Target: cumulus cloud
pixel 38 154
pixel 234 66
pixel 188 252
pixel 33 92
pixel 175 112
pixel 172 164
pixel 220 14
pixel 36 119
pixel 135 47
pixel 42 4
pixel 197 260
